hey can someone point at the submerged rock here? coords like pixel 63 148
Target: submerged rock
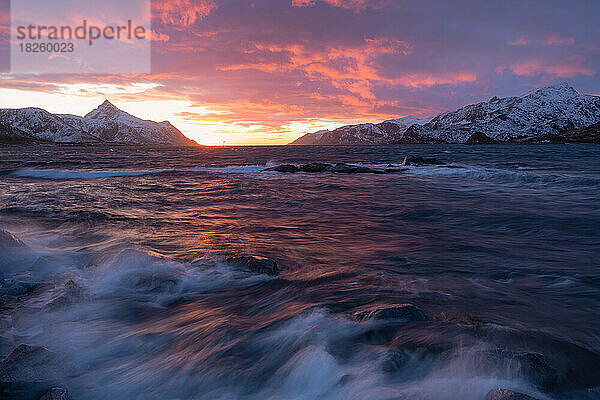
pixel 69 295
pixel 342 168
pixel 262 265
pixel 28 364
pixel 316 167
pixel 504 394
pixel 55 394
pixel 283 168
pixel 405 312
pixel 412 160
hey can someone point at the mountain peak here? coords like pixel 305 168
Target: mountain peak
pixel 107 104
pixel 105 110
pixel 562 88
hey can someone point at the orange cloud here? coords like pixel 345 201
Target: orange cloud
pixel 354 5
pixel 181 13
pixel 351 69
pixel 159 37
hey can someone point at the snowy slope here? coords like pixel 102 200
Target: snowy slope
pixel 546 111
pixel 43 125
pixel 111 124
pixel 382 133
pixel 104 124
pixel 539 113
pixel 12 135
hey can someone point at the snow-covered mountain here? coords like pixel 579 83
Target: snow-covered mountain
pixel 110 124
pixel 12 135
pixel 383 133
pixel 106 123
pixel 43 125
pixel 540 113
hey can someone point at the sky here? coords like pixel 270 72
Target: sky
pixel 267 71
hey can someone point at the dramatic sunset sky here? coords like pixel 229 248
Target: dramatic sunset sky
pixel 267 71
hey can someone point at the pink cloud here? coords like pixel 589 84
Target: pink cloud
pixel 560 70
pixel 556 39
pixel 521 41
pixel 428 80
pixel 552 40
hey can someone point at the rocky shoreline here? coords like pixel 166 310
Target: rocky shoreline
pixel 343 168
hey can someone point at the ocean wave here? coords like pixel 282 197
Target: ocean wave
pixel 60 174
pixel 79 174
pixel 498 175
pixel 140 321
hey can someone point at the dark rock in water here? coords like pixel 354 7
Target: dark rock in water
pixel 406 312
pixel 28 364
pixel 504 394
pixel 11 287
pixel 70 294
pixel 55 394
pixel 342 168
pixel 395 360
pixel 283 168
pixel 316 167
pixel 258 264
pixel 391 170
pixel 530 366
pixel 9 241
pixel 23 390
pixel 412 160
pixel 480 138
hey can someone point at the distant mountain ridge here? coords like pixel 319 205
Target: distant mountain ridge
pixel 541 115
pixel 383 133
pixel 105 124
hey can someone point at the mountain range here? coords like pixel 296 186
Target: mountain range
pixel 105 124
pixel 555 114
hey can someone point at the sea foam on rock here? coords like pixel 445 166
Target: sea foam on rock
pixel 71 293
pixel 405 312
pixel 528 365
